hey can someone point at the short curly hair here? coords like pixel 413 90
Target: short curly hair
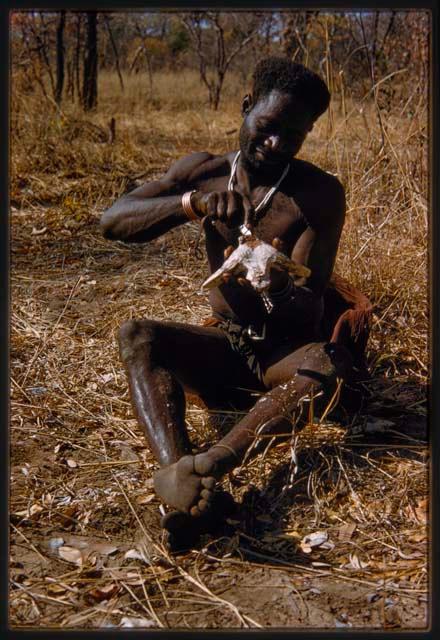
pixel 284 75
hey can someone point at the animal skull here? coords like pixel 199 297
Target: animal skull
pixel 254 258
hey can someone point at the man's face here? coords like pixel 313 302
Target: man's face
pixel 273 131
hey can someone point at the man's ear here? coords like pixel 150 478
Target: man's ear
pixel 246 105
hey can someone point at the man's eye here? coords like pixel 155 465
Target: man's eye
pixel 265 128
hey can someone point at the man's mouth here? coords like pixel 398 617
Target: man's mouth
pixel 268 157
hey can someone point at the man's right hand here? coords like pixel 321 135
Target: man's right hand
pixel 230 207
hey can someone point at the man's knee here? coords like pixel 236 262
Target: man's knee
pixel 325 363
pixel 135 335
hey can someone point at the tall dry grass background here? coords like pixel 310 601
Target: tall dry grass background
pixel 384 247
pixel 86 468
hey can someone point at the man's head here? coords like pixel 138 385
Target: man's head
pixel 286 100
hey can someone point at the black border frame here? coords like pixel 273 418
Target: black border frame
pixel 434 268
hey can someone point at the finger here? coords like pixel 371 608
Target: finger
pixel 227 252
pixel 199 203
pixel 242 282
pixel 278 244
pixel 221 206
pixel 211 204
pixel 194 511
pixel 227 277
pixel 231 206
pixel 249 213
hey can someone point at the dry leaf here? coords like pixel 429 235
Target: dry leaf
pixel 340 624
pixel 71 555
pixel 55 543
pixel 55 589
pixel 355 562
pixel 411 555
pixel 346 531
pixel 134 554
pixel 103 548
pixel 421 510
pixel 316 539
pixel 98 594
pixel 27 513
pixel 145 499
pixel 134 578
pixel 131 623
pixel 372 597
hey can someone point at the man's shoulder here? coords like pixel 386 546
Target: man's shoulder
pixel 195 166
pixel 311 175
pixel 319 193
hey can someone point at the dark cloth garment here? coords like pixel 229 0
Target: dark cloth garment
pixel 242 344
pixel 346 320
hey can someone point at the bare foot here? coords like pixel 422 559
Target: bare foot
pixel 188 484
pixel 183 531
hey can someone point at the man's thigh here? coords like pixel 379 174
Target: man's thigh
pixel 319 361
pixel 202 359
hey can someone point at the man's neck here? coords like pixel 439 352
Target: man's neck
pixel 248 176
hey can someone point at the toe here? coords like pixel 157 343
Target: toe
pixel 208 483
pixel 202 505
pixel 174 521
pixel 206 495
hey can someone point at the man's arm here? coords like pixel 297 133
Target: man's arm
pixel 154 208
pixel 316 248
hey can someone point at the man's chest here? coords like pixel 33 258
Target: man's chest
pixel 281 217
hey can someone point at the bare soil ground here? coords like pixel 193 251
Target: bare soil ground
pixel 86 546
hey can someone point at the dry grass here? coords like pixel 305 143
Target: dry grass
pixel 79 465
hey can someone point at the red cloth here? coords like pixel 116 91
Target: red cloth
pixel 347 317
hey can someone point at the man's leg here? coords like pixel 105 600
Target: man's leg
pixel 162 359
pixel 309 370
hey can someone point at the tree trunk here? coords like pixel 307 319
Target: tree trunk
pixel 70 89
pixel 90 78
pixel 77 57
pixel 115 51
pixel 150 71
pixel 60 58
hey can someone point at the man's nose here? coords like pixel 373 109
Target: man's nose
pixel 272 142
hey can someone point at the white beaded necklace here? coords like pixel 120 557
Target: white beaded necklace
pixel 245 232
pixel 269 195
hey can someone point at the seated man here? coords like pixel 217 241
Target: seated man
pixel 314 334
